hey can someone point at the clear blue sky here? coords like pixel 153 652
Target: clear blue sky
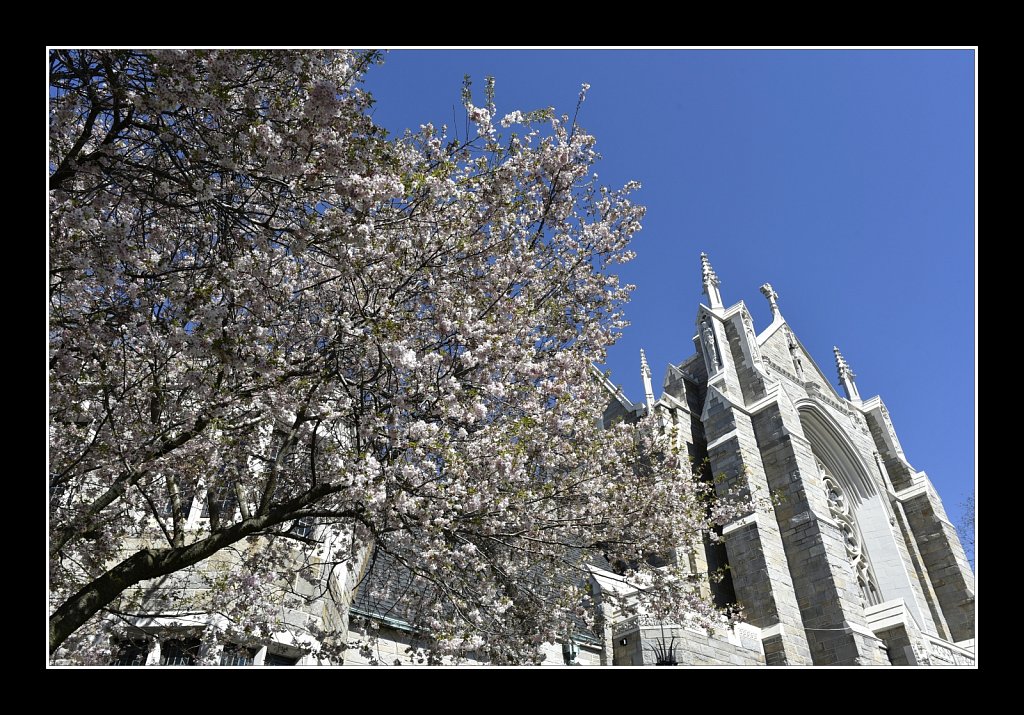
pixel 843 178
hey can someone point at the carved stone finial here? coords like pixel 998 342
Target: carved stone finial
pixel 846 375
pixel 842 366
pixel 707 272
pixel 710 281
pixel 772 297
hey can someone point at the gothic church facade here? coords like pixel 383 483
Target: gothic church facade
pixel 856 563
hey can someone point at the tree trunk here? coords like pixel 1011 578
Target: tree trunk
pixel 152 563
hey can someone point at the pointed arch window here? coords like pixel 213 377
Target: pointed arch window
pixel 841 511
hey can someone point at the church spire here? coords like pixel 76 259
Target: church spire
pixel 710 280
pixel 846 376
pixel 772 297
pixel 645 372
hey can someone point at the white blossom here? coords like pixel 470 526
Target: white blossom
pixel 271 277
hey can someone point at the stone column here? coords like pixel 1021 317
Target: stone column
pixel 943 555
pixel 757 558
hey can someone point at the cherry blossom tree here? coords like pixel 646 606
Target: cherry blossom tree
pixel 261 302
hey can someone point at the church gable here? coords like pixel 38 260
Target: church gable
pixel 812 372
pixel 783 352
pixel 838 546
pixel 776 350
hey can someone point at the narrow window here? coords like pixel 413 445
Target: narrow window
pixel 224 497
pixel 179 651
pixel 129 651
pixel 278 659
pixel 234 654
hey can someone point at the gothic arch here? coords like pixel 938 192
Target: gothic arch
pixel 869 506
pixel 831 445
pixel 853 498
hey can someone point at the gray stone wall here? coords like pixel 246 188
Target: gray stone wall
pixel 757 558
pixel 823 578
pixel 776 349
pixel 939 546
pixel 898 644
pixel 922 583
pixel 647 644
pixel 900 472
pixel 615 412
pixel 752 385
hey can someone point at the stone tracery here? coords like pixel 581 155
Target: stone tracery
pixel 840 509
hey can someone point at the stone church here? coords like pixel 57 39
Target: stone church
pixel 858 563
pixel 853 563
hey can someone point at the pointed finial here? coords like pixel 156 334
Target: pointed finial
pixel 710 281
pixel 846 375
pixel 772 297
pixel 707 272
pixel 645 373
pixel 841 365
